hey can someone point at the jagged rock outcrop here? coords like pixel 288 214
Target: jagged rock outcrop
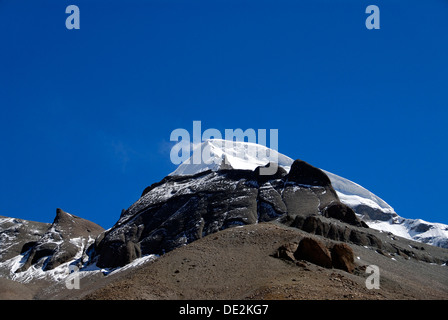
pixel 63 240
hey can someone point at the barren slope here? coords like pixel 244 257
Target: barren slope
pixel 237 263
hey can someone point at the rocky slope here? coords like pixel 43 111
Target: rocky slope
pixel 243 263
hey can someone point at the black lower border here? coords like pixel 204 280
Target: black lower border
pixel 223 309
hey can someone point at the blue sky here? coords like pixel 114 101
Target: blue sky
pixel 86 115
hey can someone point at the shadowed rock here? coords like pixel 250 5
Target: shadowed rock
pixel 303 173
pixel 330 255
pixel 313 251
pixel 342 257
pixel 342 212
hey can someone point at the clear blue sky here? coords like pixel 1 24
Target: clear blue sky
pixel 86 115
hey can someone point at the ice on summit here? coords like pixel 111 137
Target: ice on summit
pixel 248 156
pixel 211 154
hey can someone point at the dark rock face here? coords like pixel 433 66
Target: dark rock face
pixel 61 242
pixel 421 227
pixel 306 174
pixel 182 209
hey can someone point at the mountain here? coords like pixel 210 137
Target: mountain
pixel 228 189
pixel 372 209
pixel 182 209
pixel 296 213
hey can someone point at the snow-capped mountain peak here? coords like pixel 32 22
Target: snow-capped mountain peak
pixel 215 154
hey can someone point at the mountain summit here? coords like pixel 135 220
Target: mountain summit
pixel 377 213
pixel 248 156
pixel 215 153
